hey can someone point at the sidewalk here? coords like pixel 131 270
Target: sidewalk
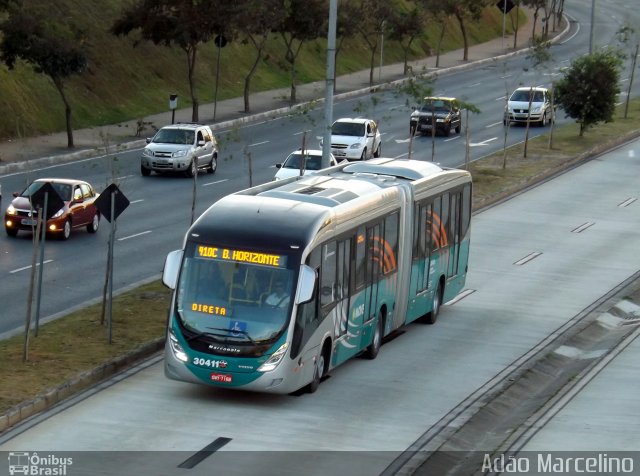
pixel 16 155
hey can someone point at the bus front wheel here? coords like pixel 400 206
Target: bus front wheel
pixel 319 370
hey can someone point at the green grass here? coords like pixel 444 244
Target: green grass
pixel 124 82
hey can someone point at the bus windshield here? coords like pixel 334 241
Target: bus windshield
pixel 233 295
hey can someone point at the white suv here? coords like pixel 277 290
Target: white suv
pixel 355 139
pixel 518 106
pixel 181 147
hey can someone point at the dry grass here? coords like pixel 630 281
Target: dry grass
pixel 66 347
pixel 78 343
pixel 493 181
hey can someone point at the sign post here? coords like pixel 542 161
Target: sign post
pixel 220 41
pixel 173 105
pixel 111 203
pixel 47 202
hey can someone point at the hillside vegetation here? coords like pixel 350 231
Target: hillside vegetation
pixel 125 82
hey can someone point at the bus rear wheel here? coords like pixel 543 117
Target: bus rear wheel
pixel 432 317
pixel 372 351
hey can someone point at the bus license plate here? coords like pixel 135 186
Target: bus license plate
pixel 221 378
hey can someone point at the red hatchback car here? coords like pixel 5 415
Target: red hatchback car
pixel 78 210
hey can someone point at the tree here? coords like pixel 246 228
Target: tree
pixel 438 10
pixel 184 23
pixel 405 28
pixel 302 20
pixel 53 48
pixel 348 19
pixel 629 38
pixel 256 19
pixel 463 10
pixel 540 57
pixel 373 15
pixel 589 88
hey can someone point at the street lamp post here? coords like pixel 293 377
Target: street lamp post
pixel 593 16
pixel 381 50
pixel 328 103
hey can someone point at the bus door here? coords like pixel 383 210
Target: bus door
pixel 348 325
pixel 373 269
pixel 336 297
pixel 454 235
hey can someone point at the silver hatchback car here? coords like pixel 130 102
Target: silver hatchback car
pixel 521 99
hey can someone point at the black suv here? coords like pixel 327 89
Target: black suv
pixel 442 112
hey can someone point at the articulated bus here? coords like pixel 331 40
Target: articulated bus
pixel 279 284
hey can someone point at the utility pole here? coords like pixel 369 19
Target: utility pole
pixel 331 64
pixel 593 18
pixel 381 50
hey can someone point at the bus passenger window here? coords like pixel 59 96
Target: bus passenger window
pixel 328 273
pixel 360 258
pixel 391 243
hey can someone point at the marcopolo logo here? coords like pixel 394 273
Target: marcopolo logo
pixel 23 462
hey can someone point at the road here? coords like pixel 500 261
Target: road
pixel 160 210
pixel 534 267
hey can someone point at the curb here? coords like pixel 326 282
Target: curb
pixel 570 164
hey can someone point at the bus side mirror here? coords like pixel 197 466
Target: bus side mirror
pixel 306 284
pixel 171 268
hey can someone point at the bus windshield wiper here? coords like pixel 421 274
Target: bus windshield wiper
pixel 203 334
pixel 230 333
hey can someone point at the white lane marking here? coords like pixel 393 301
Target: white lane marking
pixel 136 201
pixel 134 236
pixel 493 125
pixel 451 138
pixel 258 143
pixel 213 183
pixel 583 227
pixel 28 267
pixel 484 142
pixel 528 258
pixel 460 297
pixel 627 202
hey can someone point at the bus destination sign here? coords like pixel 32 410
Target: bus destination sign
pixel 226 254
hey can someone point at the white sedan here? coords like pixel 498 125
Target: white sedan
pixel 355 139
pixel 312 163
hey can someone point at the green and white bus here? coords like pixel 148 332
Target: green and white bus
pixel 361 249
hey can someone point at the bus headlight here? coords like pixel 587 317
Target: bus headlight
pixel 275 359
pixel 176 348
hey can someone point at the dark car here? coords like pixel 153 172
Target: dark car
pixel 439 112
pixel 78 210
